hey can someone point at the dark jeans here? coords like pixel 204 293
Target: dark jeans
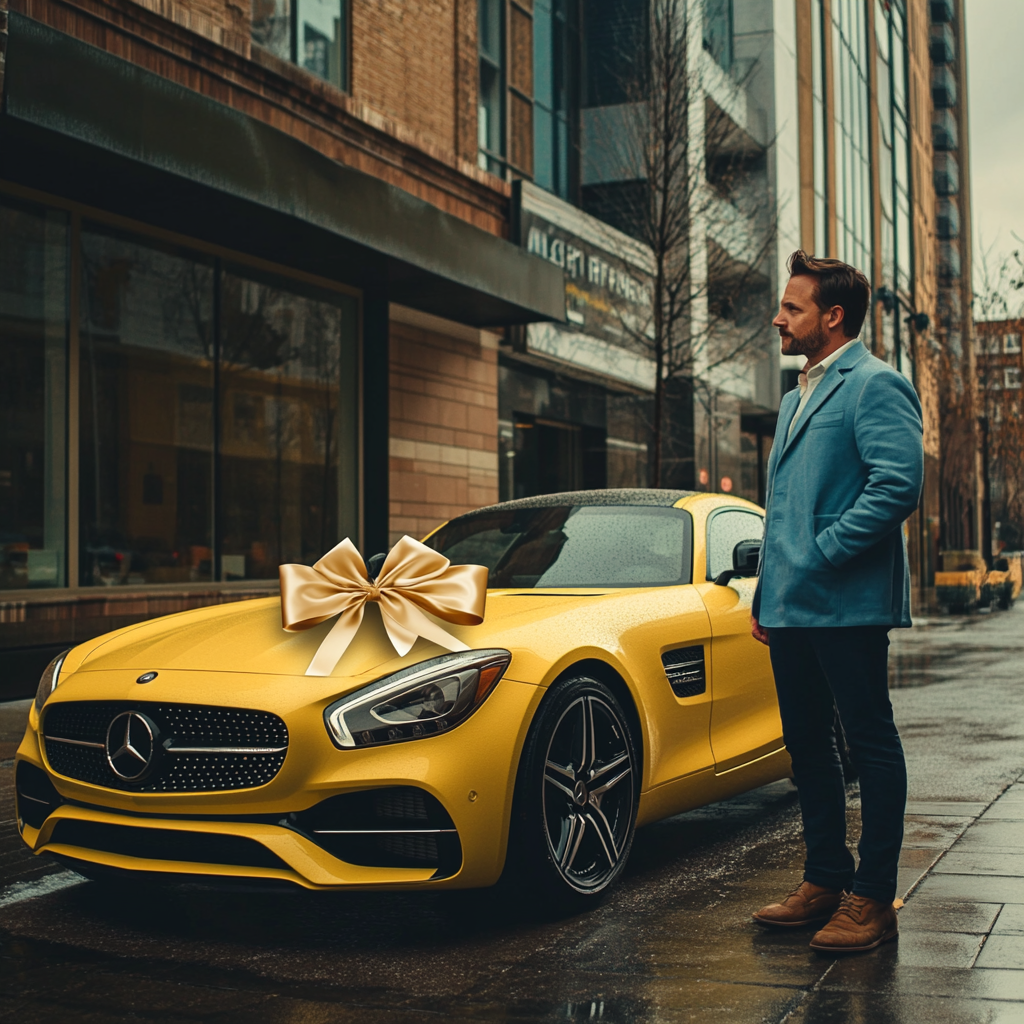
pixel 816 672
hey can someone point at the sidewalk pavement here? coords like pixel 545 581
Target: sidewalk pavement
pixel 960 955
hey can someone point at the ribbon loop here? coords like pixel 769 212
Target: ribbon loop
pixel 413 580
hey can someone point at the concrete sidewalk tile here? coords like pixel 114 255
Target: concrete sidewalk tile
pixel 978 888
pixel 1010 920
pixel 1005 810
pixel 938 949
pixel 993 833
pixel 844 1007
pixel 980 862
pixel 885 976
pixel 942 808
pixel 918 858
pixel 1005 952
pixel 906 879
pixel 932 833
pixel 933 915
pixel 1013 851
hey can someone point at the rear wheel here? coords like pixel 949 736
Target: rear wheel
pixel 576 798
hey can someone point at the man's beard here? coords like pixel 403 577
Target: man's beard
pixel 807 345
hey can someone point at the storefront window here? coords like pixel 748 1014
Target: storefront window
pixel 287 425
pixel 33 398
pixel 210 450
pixel 559 434
pixel 146 380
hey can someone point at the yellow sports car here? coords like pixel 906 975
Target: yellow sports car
pixel 612 682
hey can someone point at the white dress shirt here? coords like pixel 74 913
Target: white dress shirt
pixel 809 378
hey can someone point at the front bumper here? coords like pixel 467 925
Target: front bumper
pixel 263 833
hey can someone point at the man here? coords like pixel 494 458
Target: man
pixel 844 474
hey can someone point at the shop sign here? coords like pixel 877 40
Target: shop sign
pixel 608 283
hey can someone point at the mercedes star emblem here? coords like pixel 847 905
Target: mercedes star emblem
pixel 131 745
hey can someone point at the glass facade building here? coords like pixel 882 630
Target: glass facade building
pixel 895 241
pixel 556 54
pixel 851 126
pixel 862 202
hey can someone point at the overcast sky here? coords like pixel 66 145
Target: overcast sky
pixel 995 31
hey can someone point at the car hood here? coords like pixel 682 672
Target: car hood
pixel 246 638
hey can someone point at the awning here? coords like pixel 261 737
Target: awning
pixel 84 124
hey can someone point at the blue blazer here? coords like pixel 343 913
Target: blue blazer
pixel 839 490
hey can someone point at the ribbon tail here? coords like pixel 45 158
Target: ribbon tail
pixel 334 645
pixel 403 634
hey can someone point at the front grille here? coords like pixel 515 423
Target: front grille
pixel 165 844
pixel 197 748
pixel 391 827
pixel 685 670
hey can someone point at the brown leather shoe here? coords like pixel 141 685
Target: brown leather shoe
pixel 858 925
pixel 806 904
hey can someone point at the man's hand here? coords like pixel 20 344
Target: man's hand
pixel 757 631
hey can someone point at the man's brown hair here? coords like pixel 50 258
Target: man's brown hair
pixel 839 284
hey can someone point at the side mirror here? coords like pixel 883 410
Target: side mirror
pixel 746 558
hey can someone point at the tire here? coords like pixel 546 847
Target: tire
pixel 575 804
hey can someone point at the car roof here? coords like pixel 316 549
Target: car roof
pixel 609 496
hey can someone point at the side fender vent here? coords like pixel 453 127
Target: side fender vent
pixel 685 670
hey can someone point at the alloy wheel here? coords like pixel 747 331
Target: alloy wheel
pixel 588 793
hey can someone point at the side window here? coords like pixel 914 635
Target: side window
pixel 725 530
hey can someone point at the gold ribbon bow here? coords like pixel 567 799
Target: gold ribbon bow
pixel 413 579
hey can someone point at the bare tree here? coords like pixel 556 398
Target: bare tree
pixel 694 191
pixel 1000 297
pixel 1000 289
pixel 982 436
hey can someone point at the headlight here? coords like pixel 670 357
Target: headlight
pixel 48 682
pixel 421 701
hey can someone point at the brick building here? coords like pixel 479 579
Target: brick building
pixel 252 282
pixel 274 272
pixel 999 362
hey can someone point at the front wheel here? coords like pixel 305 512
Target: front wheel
pixel 576 797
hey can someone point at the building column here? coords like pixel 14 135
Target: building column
pixel 376 424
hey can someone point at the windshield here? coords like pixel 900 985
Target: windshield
pixel 573 546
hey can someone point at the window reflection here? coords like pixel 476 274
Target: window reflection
pixel 284 359
pixel 146 413
pixel 209 451
pixel 310 33
pixel 33 330
pixel 573 546
pixel 725 531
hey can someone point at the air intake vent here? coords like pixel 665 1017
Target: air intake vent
pixel 396 826
pixel 35 795
pixel 685 670
pixel 165 844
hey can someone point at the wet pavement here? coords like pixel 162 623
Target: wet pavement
pixel 674 943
